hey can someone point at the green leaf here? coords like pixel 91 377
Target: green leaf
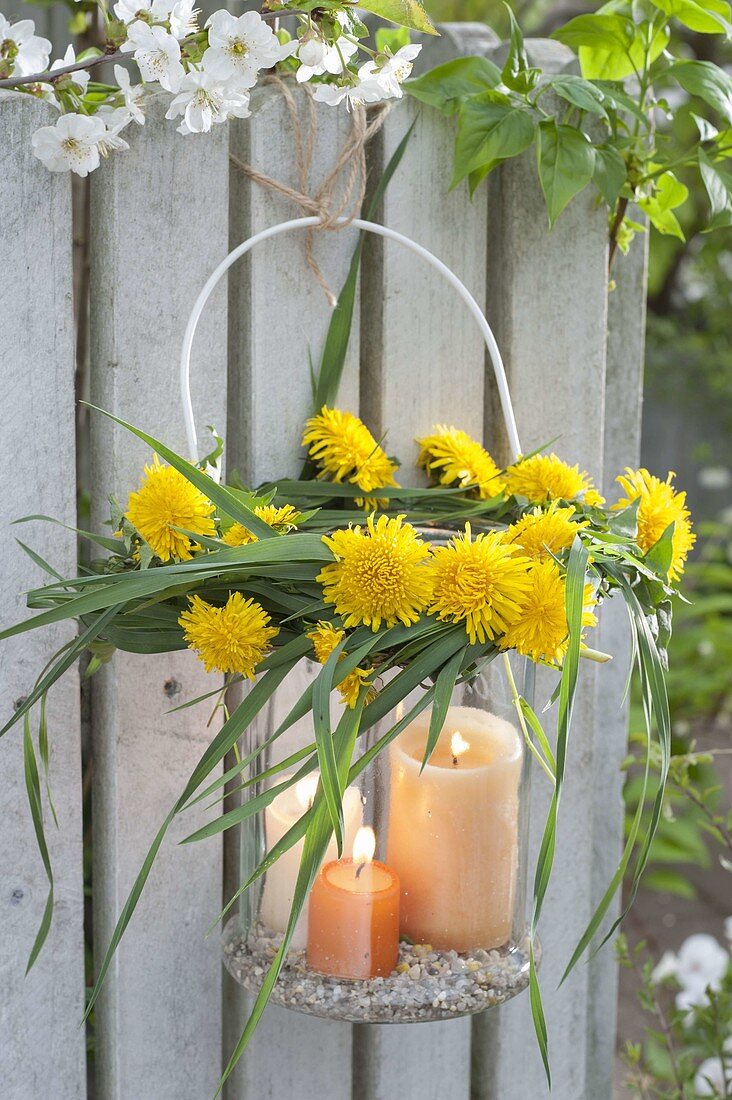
pixel 405 13
pixel 392 38
pixel 659 207
pixel 718 184
pixel 581 93
pixel 713 17
pixel 611 46
pixel 707 81
pixel 490 128
pixel 566 160
pixel 660 555
pixel 609 173
pixel 324 742
pixel 517 73
pixel 444 687
pixel 537 1015
pixel 446 86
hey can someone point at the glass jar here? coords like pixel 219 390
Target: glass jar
pixel 424 917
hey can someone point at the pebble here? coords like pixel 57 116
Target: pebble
pixel 426 984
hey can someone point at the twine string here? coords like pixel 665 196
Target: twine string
pixel 338 199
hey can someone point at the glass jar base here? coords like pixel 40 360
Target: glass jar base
pixel 426 984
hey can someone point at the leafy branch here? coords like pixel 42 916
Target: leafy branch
pixel 600 128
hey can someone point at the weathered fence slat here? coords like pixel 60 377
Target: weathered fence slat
pixel 547 300
pixel 40 1038
pixel 159 225
pixel 278 320
pixel 422 363
pixel 623 389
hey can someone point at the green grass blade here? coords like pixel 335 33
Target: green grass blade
pixel 325 747
pixel 70 653
pixel 537 1015
pixel 339 329
pixel 444 687
pixel 219 494
pixel 33 791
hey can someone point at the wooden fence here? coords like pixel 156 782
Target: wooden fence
pixel 162 215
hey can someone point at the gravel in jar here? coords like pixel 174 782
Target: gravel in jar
pixel 425 985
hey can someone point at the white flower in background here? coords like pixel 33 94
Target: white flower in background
pixel 80 77
pixel 157 55
pixel 19 43
pixel 318 58
pixel 183 19
pixel 115 120
pixel 364 90
pixel 149 11
pixel 71 145
pixel 205 101
pixel 664 968
pixel 240 47
pixel 713 1078
pixel 728 929
pixel 394 71
pixel 700 964
pixel 132 95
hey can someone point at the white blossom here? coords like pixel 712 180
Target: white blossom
pixel 73 144
pixel 183 19
pixel 363 90
pixel 318 58
pixel 157 54
pixel 713 1078
pixel 81 76
pixel 240 47
pixel 700 964
pixel 132 95
pixel 148 11
pixel 394 71
pixel 19 43
pixel 205 101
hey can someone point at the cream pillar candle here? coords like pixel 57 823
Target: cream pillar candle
pixel 279 883
pixel 453 830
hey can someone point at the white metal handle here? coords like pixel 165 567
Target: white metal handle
pixel 370 227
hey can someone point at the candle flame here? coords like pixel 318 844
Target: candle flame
pixel 364 845
pixel 305 791
pixel 458 745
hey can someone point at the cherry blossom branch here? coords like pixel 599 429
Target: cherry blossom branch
pixel 48 76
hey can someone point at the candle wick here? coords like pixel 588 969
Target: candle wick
pixel 454 761
pixel 360 867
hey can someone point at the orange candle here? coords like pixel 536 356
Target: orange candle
pixel 353 927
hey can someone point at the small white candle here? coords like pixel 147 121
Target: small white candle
pixel 279 883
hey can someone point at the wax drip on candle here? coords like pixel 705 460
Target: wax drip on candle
pixel 458 745
pixel 364 846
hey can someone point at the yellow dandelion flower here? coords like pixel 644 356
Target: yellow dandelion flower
pixel 325 638
pixel 453 458
pixel 345 449
pixel 283 519
pixel 350 687
pixel 546 477
pixel 660 505
pixel 379 574
pixel 541 631
pixel 480 582
pixel 232 638
pixel 543 533
pixel 166 499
